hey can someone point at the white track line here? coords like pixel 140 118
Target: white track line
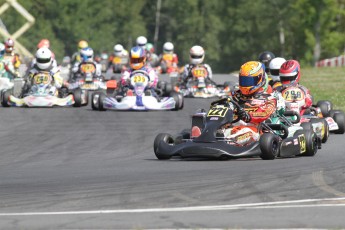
pixel 265 205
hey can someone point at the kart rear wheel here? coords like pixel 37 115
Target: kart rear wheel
pixel 325 136
pixel 5 97
pixel 100 102
pixel 178 100
pixel 325 107
pixel 339 118
pixel 269 146
pixel 307 126
pixel 94 100
pixel 311 142
pixel 165 137
pixel 77 98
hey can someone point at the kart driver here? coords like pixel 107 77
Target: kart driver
pixel 137 61
pixel 257 103
pixel 292 91
pixel 44 63
pixel 197 68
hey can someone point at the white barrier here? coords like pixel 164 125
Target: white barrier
pixel 331 62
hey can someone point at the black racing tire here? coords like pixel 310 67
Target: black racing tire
pixel 178 101
pixel 181 98
pixel 77 98
pixel 339 118
pixel 167 138
pixel 167 89
pixel 332 112
pixel 307 126
pixel 269 146
pixel 325 107
pixel 5 97
pixel 93 106
pixel 86 95
pixel 324 138
pixel 311 142
pixel 100 102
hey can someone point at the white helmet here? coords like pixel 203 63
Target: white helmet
pixel 168 47
pixel 141 41
pixel 86 54
pixel 43 58
pixel 196 55
pixel 118 49
pixel 274 67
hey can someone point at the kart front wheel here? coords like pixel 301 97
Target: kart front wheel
pixel 167 138
pixel 339 118
pixel 97 99
pixel 77 94
pixel 5 97
pixel 325 107
pixel 179 100
pixel 269 146
pixel 310 142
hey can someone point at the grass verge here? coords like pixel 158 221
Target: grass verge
pixel 327 83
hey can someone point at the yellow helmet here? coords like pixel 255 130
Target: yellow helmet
pixel 252 77
pixel 82 44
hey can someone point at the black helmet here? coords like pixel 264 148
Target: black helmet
pixel 266 57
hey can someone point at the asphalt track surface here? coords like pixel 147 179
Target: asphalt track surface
pixel 74 168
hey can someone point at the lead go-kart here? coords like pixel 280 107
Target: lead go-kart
pixel 43 94
pixel 137 97
pixel 275 139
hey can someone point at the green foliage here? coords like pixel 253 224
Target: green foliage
pixel 231 31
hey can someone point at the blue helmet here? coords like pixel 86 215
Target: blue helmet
pixel 86 54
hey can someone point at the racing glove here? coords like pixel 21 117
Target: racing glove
pixel 243 115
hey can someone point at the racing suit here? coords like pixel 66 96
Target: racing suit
pixel 191 71
pixel 53 71
pixel 259 108
pixel 297 98
pixel 14 58
pixel 168 62
pixel 7 74
pixel 119 63
pixel 153 79
pixel 76 71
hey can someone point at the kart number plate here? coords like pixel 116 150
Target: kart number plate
pixel 302 142
pixel 217 112
pixel 117 60
pixel 139 79
pixel 41 78
pixel 87 68
pixel 199 72
pixel 293 94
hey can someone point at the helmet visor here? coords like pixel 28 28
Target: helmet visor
pixel 288 78
pixel 247 81
pixel 196 56
pixel 43 60
pixel 274 72
pixel 137 60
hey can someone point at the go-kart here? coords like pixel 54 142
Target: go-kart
pixel 85 79
pixel 207 138
pixel 43 94
pixel 137 97
pixel 312 118
pixel 335 118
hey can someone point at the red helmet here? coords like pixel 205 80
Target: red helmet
pixel 44 43
pixel 9 43
pixel 290 73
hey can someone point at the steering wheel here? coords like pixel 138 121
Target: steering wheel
pixel 226 102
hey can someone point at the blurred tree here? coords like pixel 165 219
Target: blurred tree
pixel 231 31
